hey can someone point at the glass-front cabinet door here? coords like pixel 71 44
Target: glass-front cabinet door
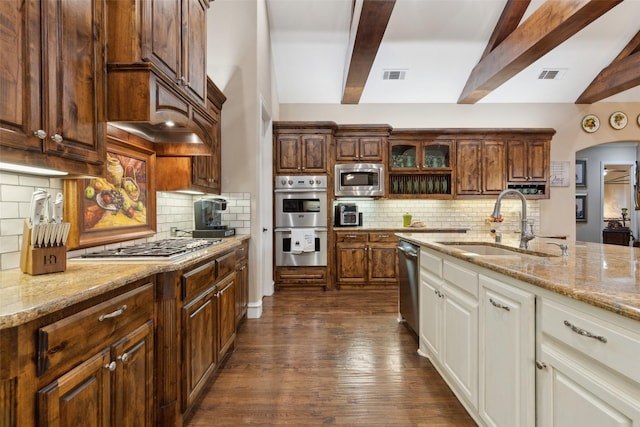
pixel 436 155
pixel 405 156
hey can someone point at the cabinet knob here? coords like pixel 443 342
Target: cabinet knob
pixel 540 365
pixel 124 357
pixel 40 134
pixel 111 366
pixel 57 138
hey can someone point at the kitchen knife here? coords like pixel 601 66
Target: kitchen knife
pixel 57 209
pixel 38 203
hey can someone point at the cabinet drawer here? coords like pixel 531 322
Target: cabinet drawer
pixel 431 263
pixel 351 237
pixel 225 264
pixel 382 236
pixel 64 343
pixel 198 279
pixel 587 334
pixel 242 252
pixel 464 279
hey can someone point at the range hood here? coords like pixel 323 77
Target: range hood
pixel 143 103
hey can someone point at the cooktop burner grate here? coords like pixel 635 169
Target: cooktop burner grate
pixel 162 249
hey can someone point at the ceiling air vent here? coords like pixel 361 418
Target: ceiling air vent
pixel 394 74
pixel 552 74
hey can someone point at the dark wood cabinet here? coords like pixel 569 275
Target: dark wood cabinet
pixel 302 147
pixel 366 259
pixel 226 308
pixel 361 143
pixel 300 277
pixel 481 167
pixel 616 236
pixel 528 161
pixel 53 86
pixel 242 282
pixel 114 385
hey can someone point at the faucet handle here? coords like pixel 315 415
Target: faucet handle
pixel 563 247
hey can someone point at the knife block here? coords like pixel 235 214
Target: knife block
pixel 44 260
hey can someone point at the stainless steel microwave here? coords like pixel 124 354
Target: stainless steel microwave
pixel 359 180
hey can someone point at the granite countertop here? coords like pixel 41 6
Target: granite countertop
pixel 605 276
pixel 24 297
pixel 404 229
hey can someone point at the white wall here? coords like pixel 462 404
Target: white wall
pixel 557 214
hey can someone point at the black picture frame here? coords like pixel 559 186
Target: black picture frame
pixel 581 208
pixel 581 173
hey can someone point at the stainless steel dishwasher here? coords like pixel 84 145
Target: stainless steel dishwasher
pixel 408 284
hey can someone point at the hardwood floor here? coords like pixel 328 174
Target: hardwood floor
pixel 336 358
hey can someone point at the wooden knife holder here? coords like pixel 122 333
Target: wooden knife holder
pixel 41 260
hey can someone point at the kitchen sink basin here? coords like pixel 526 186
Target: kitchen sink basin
pixel 491 249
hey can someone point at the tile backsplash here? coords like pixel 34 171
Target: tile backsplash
pixel 172 210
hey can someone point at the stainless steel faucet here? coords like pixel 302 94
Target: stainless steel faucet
pixel 525 235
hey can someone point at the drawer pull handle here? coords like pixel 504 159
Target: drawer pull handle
pixel 584 332
pixel 497 304
pixel 350 236
pixel 116 313
pixel 540 365
pixel 383 236
pixel 111 366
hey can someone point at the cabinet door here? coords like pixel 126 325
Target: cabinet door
pixel 74 84
pixel 242 291
pixel 194 49
pixel 81 397
pixel 537 160
pixel 347 149
pixel 314 153
pixel 351 260
pixel 405 155
pixel 288 154
pixel 469 167
pixel 226 320
pixel 570 395
pixel 517 167
pixel 370 149
pixel 493 167
pixel 460 342
pixel 133 386
pixel 382 263
pixel 20 109
pixel 198 345
pixel 430 315
pixel 507 351
pixel 162 35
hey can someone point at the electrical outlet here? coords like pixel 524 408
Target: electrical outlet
pixel 174 231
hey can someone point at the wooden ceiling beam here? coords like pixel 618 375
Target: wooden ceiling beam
pixel 550 25
pixel 623 73
pixel 374 18
pixel 509 20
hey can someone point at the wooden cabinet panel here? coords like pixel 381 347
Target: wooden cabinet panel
pixel 371 149
pixel 366 259
pixel 226 321
pixel 382 263
pixel 301 147
pixel 242 282
pixel 314 153
pixel 351 262
pixel 288 154
pixel 347 149
pixel 134 378
pixel 480 167
pixel 194 48
pixel 80 397
pixel 353 149
pixel 528 160
pixel 301 277
pixel 494 167
pixel 53 114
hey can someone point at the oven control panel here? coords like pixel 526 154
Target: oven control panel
pixel 302 182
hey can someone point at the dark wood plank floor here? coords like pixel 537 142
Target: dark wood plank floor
pixel 335 357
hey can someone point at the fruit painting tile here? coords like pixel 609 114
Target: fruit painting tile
pixel 118 206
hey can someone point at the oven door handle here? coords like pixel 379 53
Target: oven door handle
pixel 288 229
pixel 301 190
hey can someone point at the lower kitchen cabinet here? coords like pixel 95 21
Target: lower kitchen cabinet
pixel 507 344
pixel 242 282
pixel 226 321
pixel 113 386
pixel 366 259
pixel 304 277
pixel 588 368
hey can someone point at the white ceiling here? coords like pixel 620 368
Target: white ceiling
pixel 437 42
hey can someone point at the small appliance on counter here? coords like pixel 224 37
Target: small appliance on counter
pixel 347 215
pixel 207 213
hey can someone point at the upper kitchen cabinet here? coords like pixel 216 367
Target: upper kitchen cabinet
pixel 361 143
pixel 480 167
pixel 156 80
pixel 528 163
pixel 421 164
pixel 302 147
pixel 197 173
pixel 53 87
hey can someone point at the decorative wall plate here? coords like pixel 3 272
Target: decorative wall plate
pixel 618 120
pixel 590 123
pixel 638 119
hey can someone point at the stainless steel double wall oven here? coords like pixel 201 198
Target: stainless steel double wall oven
pixel 300 204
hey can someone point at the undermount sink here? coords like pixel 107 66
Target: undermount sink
pixel 491 249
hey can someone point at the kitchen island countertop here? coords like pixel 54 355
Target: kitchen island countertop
pixel 605 276
pixel 24 297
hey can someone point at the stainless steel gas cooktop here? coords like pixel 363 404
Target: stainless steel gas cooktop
pixel 161 250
